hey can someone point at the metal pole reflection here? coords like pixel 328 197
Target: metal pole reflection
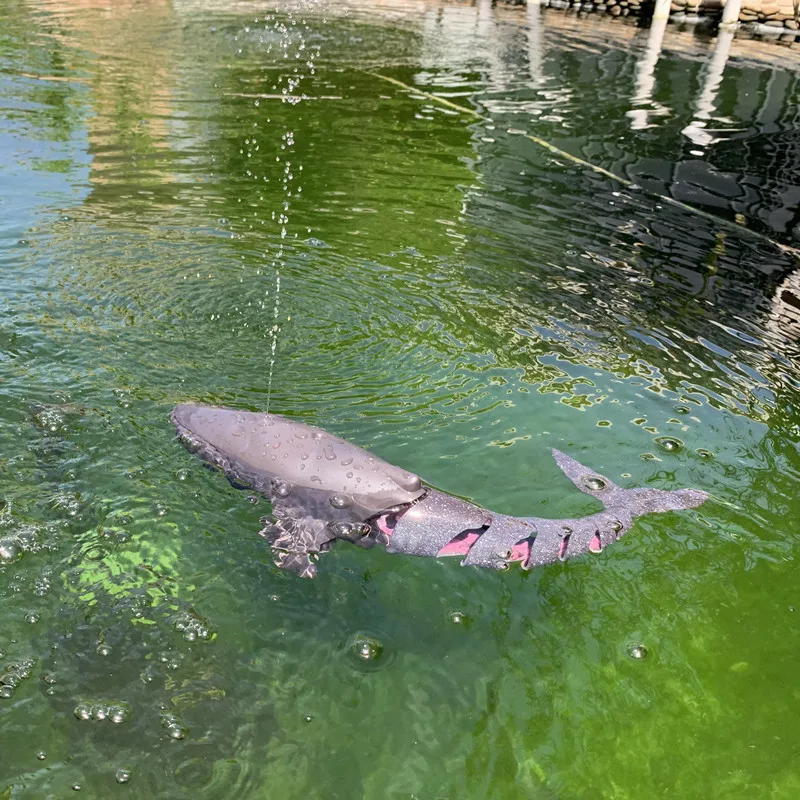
pixel 706 102
pixel 646 77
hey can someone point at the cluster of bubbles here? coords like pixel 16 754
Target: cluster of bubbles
pixel 193 627
pixel 13 674
pixel 51 418
pixel 25 538
pixel 116 712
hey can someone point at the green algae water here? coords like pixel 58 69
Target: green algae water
pixel 222 203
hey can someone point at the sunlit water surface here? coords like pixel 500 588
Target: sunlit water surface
pixel 227 207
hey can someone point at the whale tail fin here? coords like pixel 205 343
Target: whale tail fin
pixel 635 501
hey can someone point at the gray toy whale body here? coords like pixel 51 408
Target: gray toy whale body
pixel 323 488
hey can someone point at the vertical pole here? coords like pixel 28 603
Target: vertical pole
pixel 661 10
pixel 730 13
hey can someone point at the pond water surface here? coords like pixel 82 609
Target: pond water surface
pixel 229 206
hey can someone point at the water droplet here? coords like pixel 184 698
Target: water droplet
pixel 704 453
pixel 341 500
pixel 594 483
pixel 669 444
pixel 99 712
pixel 456 617
pixel 346 462
pixel 123 775
pixel 41 755
pixel 682 409
pixel 76 787
pixel 6 691
pixel 637 651
pixel 182 474
pixel 32 618
pixel 83 711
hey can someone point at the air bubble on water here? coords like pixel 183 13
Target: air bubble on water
pixel 119 713
pixel 103 649
pixel 10 550
pixel 82 711
pixel 366 648
pixel 123 775
pixel 41 755
pixel 95 554
pixel 456 617
pixel 669 444
pixel 32 618
pixel 173 727
pixel 637 651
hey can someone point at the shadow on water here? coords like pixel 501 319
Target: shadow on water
pixel 454 297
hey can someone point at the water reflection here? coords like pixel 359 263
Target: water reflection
pixel 453 296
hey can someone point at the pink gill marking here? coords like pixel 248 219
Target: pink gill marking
pixel 382 527
pixel 459 547
pixel 521 551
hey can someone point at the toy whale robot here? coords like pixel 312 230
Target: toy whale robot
pixel 323 489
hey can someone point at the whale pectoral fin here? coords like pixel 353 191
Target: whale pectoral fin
pixel 585 479
pixel 296 540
